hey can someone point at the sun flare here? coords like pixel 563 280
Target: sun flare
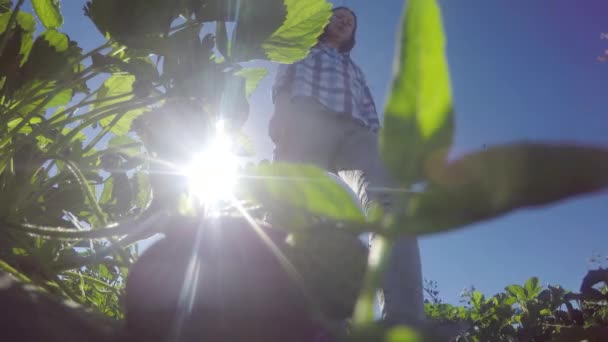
pixel 212 173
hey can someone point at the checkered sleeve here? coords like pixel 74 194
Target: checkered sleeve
pixel 368 106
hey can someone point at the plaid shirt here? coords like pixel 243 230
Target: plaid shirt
pixel 334 80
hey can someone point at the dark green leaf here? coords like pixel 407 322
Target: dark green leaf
pixel 106 194
pixel 5 6
pixel 53 56
pixel 300 31
pixel 59 99
pixel 301 188
pixel 126 145
pixel 498 180
pixel 418 115
pixel 532 287
pixel 221 39
pixel 49 13
pixel 25 20
pixel 516 291
pixel 142 190
pixel 256 23
pixel 138 24
pixel 253 76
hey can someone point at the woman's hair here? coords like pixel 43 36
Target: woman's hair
pixel 348 46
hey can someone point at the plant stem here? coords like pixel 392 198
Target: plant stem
pixel 9 26
pixel 378 260
pixel 103 132
pixel 87 191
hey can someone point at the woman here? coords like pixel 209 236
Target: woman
pixel 325 115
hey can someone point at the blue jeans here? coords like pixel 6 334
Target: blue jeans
pixel 305 132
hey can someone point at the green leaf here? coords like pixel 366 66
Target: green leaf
pixel 532 287
pixel 516 291
pixel 402 334
pixel 5 6
pixel 58 41
pixel 114 86
pixel 49 12
pixel 289 189
pixel 24 40
pixel 52 57
pixel 253 76
pixel 256 22
pixel 106 194
pixel 25 129
pixel 126 144
pixel 501 179
pixel 142 188
pixel 137 24
pixel 25 20
pixel 299 32
pixel 62 98
pixel 221 39
pixel 418 123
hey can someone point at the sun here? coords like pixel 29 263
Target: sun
pixel 213 172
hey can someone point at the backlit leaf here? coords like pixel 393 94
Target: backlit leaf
pixel 49 13
pixel 303 25
pixel 114 86
pixel 501 179
pixel 418 115
pixel 253 76
pixel 302 188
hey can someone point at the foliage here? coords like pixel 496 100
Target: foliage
pixel 532 312
pixel 89 144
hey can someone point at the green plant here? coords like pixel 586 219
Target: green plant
pixel 78 166
pixel 532 312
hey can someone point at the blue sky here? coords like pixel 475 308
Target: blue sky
pixel 520 70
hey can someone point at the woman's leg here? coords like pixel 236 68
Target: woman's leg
pixel 401 298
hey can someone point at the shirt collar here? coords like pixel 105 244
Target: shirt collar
pixel 332 49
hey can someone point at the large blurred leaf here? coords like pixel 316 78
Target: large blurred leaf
pixel 418 115
pixel 114 86
pixel 142 189
pixel 498 180
pixel 256 21
pixel 253 76
pixel 283 31
pixel 304 24
pixel 287 189
pixel 136 23
pixel 61 98
pixel 49 13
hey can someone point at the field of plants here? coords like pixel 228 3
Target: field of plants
pixel 99 151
